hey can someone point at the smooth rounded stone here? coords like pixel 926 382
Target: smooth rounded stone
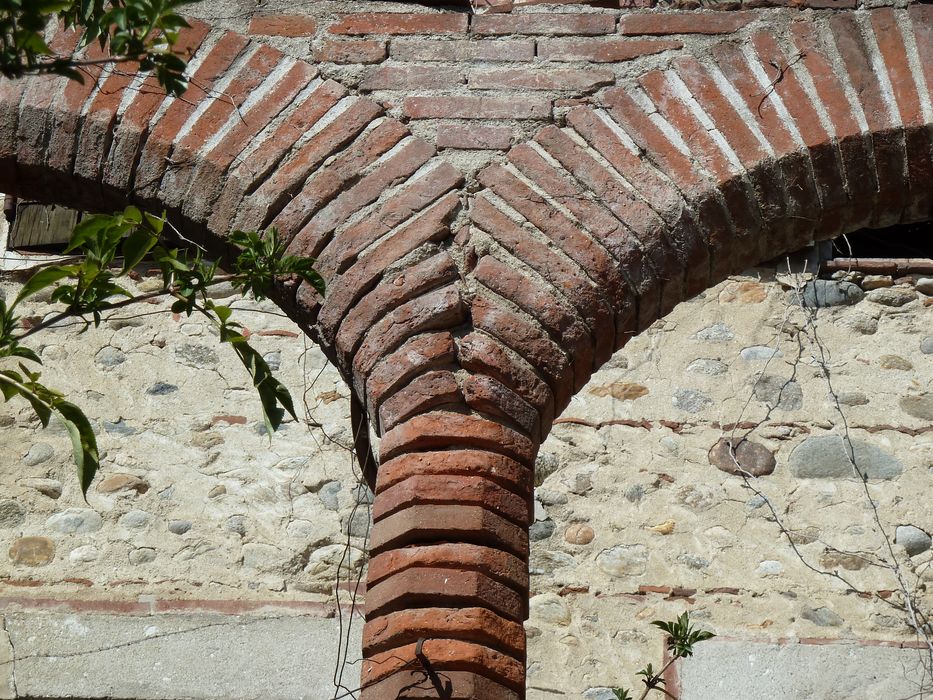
pixel 32 551
pixel 221 290
pixel 817 294
pixel 75 521
pixel 769 567
pixel 179 527
pixel 541 530
pixel 546 463
pixel 192 329
pixel 621 391
pixel 670 443
pixel 358 524
pixel 123 482
pixel 747 457
pixel 634 493
pixel 870 282
pixel 197 356
pixel 274 360
pixel 826 457
pixel 12 513
pixel 692 561
pixel 822 617
pixel 52 488
pixel 545 562
pixel 548 497
pixel 857 322
pixel 717 333
pixel 328 494
pixel 161 389
pixel 579 482
pixel 831 560
pixel 142 555
pixel 760 353
pixel 550 608
pixel 54 353
pixel 852 398
pixel 109 357
pixel 926 345
pixel 540 512
pixel 746 292
pixel 690 400
pixel 756 502
pixel 805 535
pixel 711 368
pixel 126 322
pixel 237 524
pixel 848 276
pixel 326 559
pixel 84 554
pixel 913 539
pixel 924 285
pixel 895 362
pixel 217 491
pixel 624 560
pixel 263 557
pixel 891 296
pixel 120 427
pixel 699 496
pixel 920 406
pixel 136 519
pixel 578 533
pixel 38 453
pixel 778 392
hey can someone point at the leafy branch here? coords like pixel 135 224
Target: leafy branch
pixel 111 246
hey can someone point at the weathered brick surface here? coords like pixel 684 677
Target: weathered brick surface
pixel 549 24
pixel 538 79
pixel 490 396
pixel 282 25
pixel 350 51
pixel 661 23
pixel 414 357
pixel 602 50
pixel 468 107
pixel 400 23
pixel 457 50
pixel 480 137
pixel 412 77
pixel 424 393
pixel 464 685
pixel 503 470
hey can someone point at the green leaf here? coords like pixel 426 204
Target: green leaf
pixel 44 278
pixel 136 246
pixel 83 442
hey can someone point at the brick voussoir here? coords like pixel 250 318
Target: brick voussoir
pixel 500 565
pixel 470 624
pixel 435 430
pixel 415 356
pixel 505 471
pixel 464 686
pixel 488 395
pixel 426 392
pixel 452 490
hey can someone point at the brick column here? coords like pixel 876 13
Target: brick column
pixel 448 579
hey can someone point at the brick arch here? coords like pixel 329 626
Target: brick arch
pixel 465 318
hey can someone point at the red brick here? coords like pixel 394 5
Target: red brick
pixel 446 656
pixel 413 588
pixel 412 77
pixel 477 625
pixel 294 210
pixel 488 395
pixel 414 357
pixel 566 277
pixel 390 293
pixel 453 490
pixel 549 24
pixel 470 107
pixel 921 19
pixel 11 92
pixel 482 354
pixel 437 310
pixel 538 79
pixel 453 430
pixel 602 50
pixel 479 137
pixel 282 25
pixel 662 23
pixel 496 467
pixel 400 23
pixel 424 393
pixel 561 322
pixel 464 685
pixel 417 196
pixel 350 51
pixel 456 50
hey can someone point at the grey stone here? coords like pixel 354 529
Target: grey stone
pixel 84 554
pixel 197 356
pixel 823 293
pixel 920 406
pixel 712 368
pixel 823 617
pixel 179 527
pixel 142 555
pixel 747 457
pixel 913 539
pixel 717 333
pixel 12 513
pixel 698 496
pixel 778 392
pixel 624 560
pixel 579 482
pixel 127 322
pixel 857 322
pixel 545 562
pixel 540 512
pixel 358 524
pixel 262 557
pixel 47 487
pixel 541 530
pixel 895 362
pixel 852 398
pixel 599 694
pixel 109 357
pixel 876 281
pixel 38 453
pixel 550 608
pixel 926 345
pixel 136 519
pixel 328 494
pixel 891 296
pixel 546 463
pixel 237 524
pixel 551 498
pixel 759 353
pixel 770 567
pixel 693 561
pixel 924 285
pixel 826 457
pixel 120 427
pixel 634 493
pixel 161 389
pixel 756 502
pixel 274 360
pixel 690 400
pixel 75 521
